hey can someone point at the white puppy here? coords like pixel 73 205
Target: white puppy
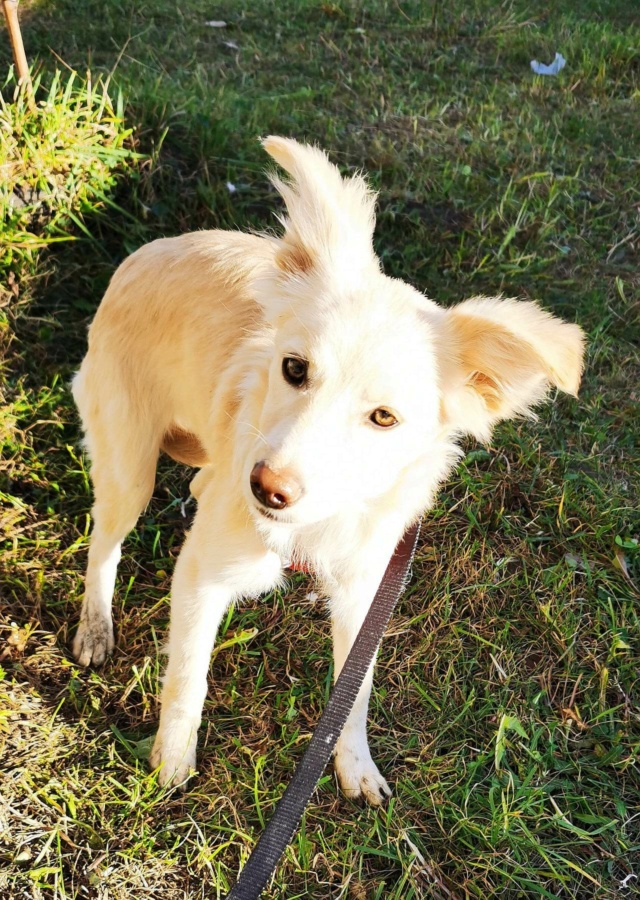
pixel 323 401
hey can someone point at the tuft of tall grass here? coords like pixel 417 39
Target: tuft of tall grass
pixel 58 161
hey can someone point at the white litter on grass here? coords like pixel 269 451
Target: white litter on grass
pixel 625 881
pixel 414 849
pixel 556 66
pixel 214 23
pixel 312 597
pixel 231 187
pixel 231 45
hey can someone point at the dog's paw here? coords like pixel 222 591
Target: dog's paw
pixel 175 759
pixel 359 776
pixel 93 641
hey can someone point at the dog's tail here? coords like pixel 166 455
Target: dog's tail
pixel 328 215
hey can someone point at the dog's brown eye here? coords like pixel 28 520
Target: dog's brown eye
pixel 383 418
pixel 294 370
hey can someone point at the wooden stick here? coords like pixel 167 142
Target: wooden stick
pixel 20 57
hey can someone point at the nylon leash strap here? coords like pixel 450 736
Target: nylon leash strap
pixel 286 818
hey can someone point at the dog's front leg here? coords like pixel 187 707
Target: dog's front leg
pixel 350 601
pixel 197 606
pixel 213 569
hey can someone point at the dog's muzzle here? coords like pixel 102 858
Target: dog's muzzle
pixel 275 490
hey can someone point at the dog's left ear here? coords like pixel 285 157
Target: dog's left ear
pixel 498 358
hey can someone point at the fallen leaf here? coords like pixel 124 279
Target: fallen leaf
pixel 620 561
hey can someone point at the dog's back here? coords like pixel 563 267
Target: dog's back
pixel 167 326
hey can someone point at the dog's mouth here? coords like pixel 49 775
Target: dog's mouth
pixel 272 516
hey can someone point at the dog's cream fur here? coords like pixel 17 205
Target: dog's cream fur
pixel 185 354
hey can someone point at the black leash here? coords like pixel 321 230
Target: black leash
pixel 285 820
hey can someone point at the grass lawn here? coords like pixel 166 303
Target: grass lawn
pixel 506 713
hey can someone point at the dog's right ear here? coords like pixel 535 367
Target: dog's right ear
pixel 330 219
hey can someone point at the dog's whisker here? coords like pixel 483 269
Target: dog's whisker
pixel 252 429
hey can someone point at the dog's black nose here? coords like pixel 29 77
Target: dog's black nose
pixel 274 489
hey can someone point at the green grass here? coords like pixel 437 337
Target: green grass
pixel 506 708
pixel 57 162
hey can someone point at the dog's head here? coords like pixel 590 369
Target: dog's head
pixel 368 381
